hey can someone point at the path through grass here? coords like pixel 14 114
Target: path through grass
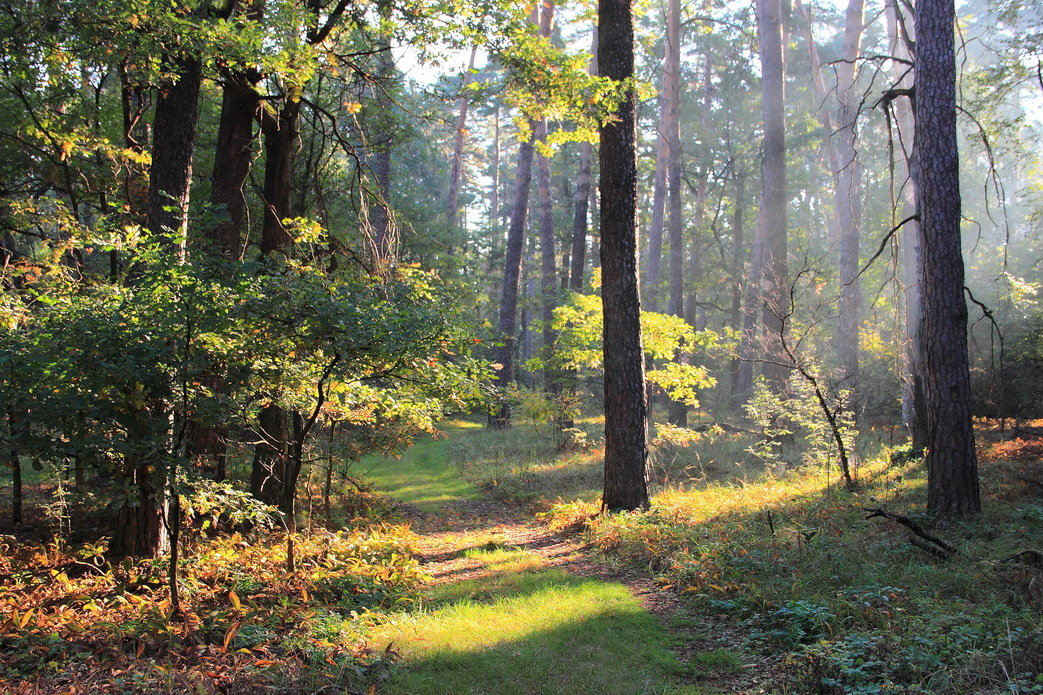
pixel 507 611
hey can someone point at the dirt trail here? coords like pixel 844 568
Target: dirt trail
pixel 464 524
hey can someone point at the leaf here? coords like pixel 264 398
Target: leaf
pixel 234 598
pixel 24 620
pixel 233 629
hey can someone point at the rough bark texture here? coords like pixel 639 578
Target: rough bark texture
pixel 173 144
pixel 626 448
pixel 281 134
pixel 232 159
pixel 952 484
pixel 140 530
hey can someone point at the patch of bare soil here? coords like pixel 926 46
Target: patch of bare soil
pixel 467 524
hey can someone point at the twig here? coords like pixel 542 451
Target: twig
pixel 921 539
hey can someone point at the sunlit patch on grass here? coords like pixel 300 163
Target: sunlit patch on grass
pixel 523 628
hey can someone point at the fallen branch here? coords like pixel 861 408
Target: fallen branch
pixel 921 539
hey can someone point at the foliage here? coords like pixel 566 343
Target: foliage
pixel 793 424
pixel 245 624
pixel 579 325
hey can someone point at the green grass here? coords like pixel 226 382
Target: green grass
pixel 524 628
pixel 853 605
pixel 423 476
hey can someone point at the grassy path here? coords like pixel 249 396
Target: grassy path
pixel 512 609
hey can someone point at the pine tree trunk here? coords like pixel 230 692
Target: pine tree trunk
pixel 626 448
pixel 548 266
pixel 952 478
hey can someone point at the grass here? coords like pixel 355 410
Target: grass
pixel 525 628
pixel 421 477
pixel 850 602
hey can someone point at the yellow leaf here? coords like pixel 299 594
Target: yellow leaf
pixel 234 598
pixel 21 623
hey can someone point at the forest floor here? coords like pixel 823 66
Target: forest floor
pixel 482 551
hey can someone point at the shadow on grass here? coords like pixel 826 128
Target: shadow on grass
pixel 541 632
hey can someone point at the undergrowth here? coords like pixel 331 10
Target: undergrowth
pixel 849 602
pixel 73 623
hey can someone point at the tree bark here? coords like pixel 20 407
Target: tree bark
pixel 233 157
pixel 548 267
pixel 173 144
pixel 382 231
pixel 626 449
pixel 952 478
pixel 281 134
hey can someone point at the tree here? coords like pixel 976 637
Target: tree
pixel 952 486
pixel 626 435
pixel 772 220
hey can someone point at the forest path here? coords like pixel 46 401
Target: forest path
pixel 511 607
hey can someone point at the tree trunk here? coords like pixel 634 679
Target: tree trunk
pixel 512 279
pixel 626 449
pixel 671 125
pixel 268 472
pixel 914 410
pixel 738 232
pixel 233 156
pixel 847 176
pixel 173 144
pixel 581 207
pixel 281 133
pixel 773 192
pixel 847 194
pixel 653 255
pixel 456 171
pixel 140 530
pixel 382 240
pixel 952 478
pixel 548 267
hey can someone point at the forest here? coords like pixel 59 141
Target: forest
pixel 467 346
